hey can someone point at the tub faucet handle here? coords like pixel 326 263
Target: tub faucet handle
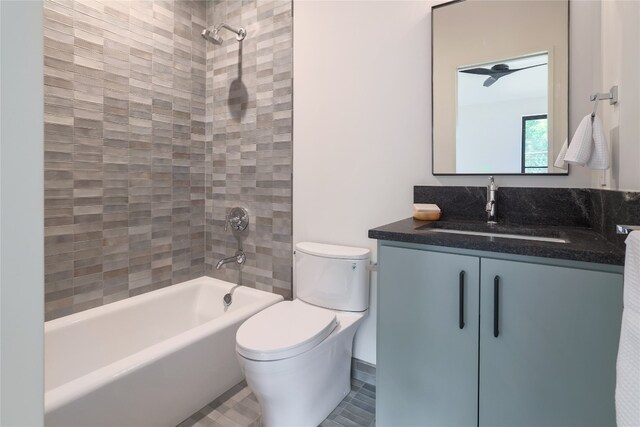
pixel 238 218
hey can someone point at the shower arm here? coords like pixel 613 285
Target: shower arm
pixel 240 32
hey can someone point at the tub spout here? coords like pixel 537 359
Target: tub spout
pixel 239 257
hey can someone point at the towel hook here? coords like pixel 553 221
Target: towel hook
pixel 612 96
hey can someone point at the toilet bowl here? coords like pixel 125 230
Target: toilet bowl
pixel 296 355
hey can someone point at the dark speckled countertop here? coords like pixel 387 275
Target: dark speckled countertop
pixel 584 217
pixel 584 244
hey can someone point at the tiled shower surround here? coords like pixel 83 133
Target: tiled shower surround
pixel 134 185
pixel 249 96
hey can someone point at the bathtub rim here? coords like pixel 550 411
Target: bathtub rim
pixel 134 300
pixel 65 393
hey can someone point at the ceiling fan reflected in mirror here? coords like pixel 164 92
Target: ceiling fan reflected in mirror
pixel 496 72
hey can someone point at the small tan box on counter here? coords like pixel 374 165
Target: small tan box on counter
pixel 426 212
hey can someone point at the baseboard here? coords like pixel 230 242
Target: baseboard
pixel 363 371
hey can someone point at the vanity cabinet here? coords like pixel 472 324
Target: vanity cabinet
pixel 472 340
pixel 427 367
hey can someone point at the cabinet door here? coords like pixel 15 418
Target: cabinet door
pixel 427 367
pixel 553 361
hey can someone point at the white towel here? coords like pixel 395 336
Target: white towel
pixel 600 155
pixel 588 146
pixel 628 363
pixel 581 146
pixel 628 372
pixel 632 273
pixel 560 163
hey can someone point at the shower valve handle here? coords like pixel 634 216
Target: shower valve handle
pixel 238 218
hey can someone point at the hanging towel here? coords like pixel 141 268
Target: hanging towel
pixel 579 151
pixel 628 364
pixel 600 155
pixel 560 163
pixel 631 299
pixel 588 146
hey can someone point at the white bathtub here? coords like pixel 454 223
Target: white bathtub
pixel 150 360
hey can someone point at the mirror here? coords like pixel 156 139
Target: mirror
pixel 500 84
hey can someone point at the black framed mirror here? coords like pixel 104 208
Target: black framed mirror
pixel 495 63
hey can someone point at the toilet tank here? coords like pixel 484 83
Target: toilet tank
pixel 332 276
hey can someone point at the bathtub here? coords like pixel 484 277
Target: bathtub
pixel 149 360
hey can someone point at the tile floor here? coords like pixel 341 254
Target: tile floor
pixel 238 407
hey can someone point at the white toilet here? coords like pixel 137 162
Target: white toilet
pixel 296 355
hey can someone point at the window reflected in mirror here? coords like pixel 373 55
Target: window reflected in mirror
pixel 535 144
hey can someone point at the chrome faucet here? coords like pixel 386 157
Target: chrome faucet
pixel 238 219
pixel 492 189
pixel 239 257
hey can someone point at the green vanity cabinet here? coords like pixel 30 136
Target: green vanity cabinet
pixel 553 361
pixel 427 367
pixel 538 346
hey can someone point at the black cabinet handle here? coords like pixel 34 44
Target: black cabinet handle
pixel 496 305
pixel 461 302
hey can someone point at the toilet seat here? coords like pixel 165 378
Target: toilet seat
pixel 284 330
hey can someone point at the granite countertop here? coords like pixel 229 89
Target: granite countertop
pixel 584 244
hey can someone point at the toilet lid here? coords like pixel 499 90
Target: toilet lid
pixel 284 330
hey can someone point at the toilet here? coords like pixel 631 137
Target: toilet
pixel 296 355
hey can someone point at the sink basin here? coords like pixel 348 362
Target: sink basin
pixel 496 230
pixel 502 235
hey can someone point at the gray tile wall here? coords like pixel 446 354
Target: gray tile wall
pixel 124 149
pixel 249 97
pixel 145 144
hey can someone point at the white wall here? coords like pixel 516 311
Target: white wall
pixel 361 122
pixel 620 50
pixel 22 214
pixel 362 117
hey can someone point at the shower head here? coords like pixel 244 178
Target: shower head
pixel 214 36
